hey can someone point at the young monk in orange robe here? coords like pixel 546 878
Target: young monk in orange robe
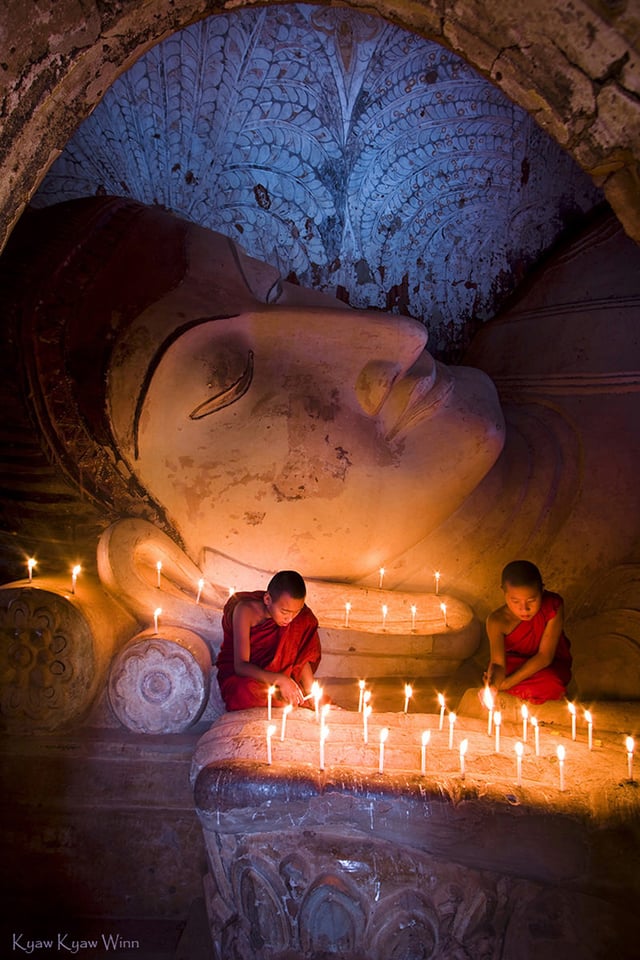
pixel 530 655
pixel 269 638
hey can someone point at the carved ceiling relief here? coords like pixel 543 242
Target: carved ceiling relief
pixel 353 156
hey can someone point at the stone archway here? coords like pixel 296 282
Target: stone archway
pixel 572 67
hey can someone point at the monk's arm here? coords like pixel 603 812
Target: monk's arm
pixel 544 656
pixel 495 672
pixel 243 620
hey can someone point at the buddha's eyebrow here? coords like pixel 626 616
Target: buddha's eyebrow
pixel 227 396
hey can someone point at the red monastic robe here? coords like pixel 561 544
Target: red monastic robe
pixel 273 648
pixel 523 642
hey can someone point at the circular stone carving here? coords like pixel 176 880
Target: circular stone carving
pixel 47 659
pixel 160 685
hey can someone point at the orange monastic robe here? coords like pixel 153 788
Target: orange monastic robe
pixel 523 642
pixel 273 648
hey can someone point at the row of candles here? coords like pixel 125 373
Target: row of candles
pixel 384 609
pixel 75 572
pixel 32 562
pixel 493 725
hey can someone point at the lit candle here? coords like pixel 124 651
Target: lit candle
pixel 366 713
pixel 441 702
pixel 31 563
pixel 572 711
pixel 200 586
pixel 285 713
pixel 271 729
pixel 385 611
pixel 381 577
pixel 361 684
pixel 519 748
pixel 384 733
pixel 347 610
pixel 561 754
pixel 324 713
pixel 443 607
pixel 437 579
pixel 156 617
pixel 630 748
pixel 270 693
pixel 487 696
pixel 463 749
pixel 525 717
pixel 232 590
pixel 158 571
pixel 589 720
pixel 452 723
pixel 408 693
pixel 324 733
pixel 497 720
pixel 426 736
pixel 536 734
pixel 74 577
pixel 316 693
pixel 414 610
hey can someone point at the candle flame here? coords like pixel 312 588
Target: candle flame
pixel 441 699
pixel 271 729
pixel 463 747
pixel 287 710
pixel 561 753
pixel 157 611
pixel 426 736
pixel 414 609
pixel 272 689
pixel 524 711
pixel 347 606
pixel 367 696
pixel 572 707
pixel 630 744
pixel 497 718
pixel 452 718
pixel 76 570
pixel 385 609
pixel 384 733
pixel 443 607
pixel 31 563
pixel 587 716
pixel 408 690
pixel 487 697
pixel 534 721
pixel 159 566
pixel 361 684
pixel 519 748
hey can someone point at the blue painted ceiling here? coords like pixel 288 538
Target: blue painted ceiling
pixel 354 156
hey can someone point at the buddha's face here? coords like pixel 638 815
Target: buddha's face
pixel 324 440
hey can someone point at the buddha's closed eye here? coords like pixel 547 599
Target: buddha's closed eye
pixel 228 395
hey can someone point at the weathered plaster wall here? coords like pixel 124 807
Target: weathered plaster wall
pixel 574 66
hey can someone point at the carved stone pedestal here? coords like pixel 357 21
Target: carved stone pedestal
pixel 351 863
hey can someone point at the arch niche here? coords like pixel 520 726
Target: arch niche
pixel 573 67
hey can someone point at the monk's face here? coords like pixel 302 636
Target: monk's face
pixel 523 602
pixel 283 609
pixel 325 440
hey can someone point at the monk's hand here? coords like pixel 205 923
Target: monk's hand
pixel 290 691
